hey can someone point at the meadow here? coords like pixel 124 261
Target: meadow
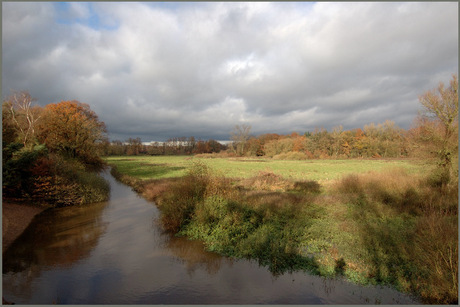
pixel 386 222
pixel 157 167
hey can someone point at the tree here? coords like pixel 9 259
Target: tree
pixel 134 146
pixel 441 107
pixel 23 116
pixel 336 135
pixel 436 131
pixel 9 134
pixel 240 135
pixel 72 129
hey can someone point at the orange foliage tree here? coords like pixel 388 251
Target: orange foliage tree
pixel 440 120
pixel 72 129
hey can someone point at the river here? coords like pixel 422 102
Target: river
pixel 116 253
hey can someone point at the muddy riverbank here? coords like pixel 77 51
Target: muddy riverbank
pixel 15 219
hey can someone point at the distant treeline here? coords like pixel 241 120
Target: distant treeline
pixel 434 133
pixel 385 140
pixel 174 146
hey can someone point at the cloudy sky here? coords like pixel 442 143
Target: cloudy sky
pixel 160 70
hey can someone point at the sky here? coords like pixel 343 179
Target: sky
pixel 160 70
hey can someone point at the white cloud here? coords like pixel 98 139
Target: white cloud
pixel 79 10
pixel 200 68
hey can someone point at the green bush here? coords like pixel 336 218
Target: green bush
pixel 17 168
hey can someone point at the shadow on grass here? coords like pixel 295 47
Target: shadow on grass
pixel 388 242
pixel 146 170
pixel 160 170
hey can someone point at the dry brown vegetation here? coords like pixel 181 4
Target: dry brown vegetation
pixel 417 244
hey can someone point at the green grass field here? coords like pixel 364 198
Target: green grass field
pixel 157 167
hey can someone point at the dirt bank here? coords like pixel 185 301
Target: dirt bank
pixel 15 219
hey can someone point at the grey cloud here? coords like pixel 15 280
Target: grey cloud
pixel 160 71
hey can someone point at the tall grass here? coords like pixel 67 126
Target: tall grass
pixel 408 231
pixel 179 201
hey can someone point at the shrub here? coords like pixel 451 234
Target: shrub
pixel 292 155
pixel 276 147
pixel 18 162
pixel 177 205
pixel 308 186
pixel 62 182
pixel 178 202
pixel 153 189
pixel 268 181
pixel 350 184
pixel 92 188
pixel 436 251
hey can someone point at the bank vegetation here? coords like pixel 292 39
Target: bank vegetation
pixel 51 154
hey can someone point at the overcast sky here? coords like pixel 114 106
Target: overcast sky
pixel 160 70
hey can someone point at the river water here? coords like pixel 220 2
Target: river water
pixel 116 253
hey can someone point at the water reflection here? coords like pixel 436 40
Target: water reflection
pixel 194 256
pixel 58 237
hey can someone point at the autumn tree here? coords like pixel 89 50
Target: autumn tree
pixel 337 136
pixel 239 136
pixel 441 106
pixel 72 129
pixel 134 146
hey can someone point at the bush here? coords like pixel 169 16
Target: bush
pixel 63 182
pixel 436 251
pixel 276 147
pixel 178 202
pixel 292 155
pixel 308 186
pixel 350 185
pixel 268 181
pixel 17 169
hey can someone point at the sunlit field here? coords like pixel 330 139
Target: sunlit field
pixel 157 167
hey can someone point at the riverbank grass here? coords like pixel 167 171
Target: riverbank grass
pixel 393 227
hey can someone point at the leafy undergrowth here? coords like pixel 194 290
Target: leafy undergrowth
pixel 389 227
pixel 52 180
